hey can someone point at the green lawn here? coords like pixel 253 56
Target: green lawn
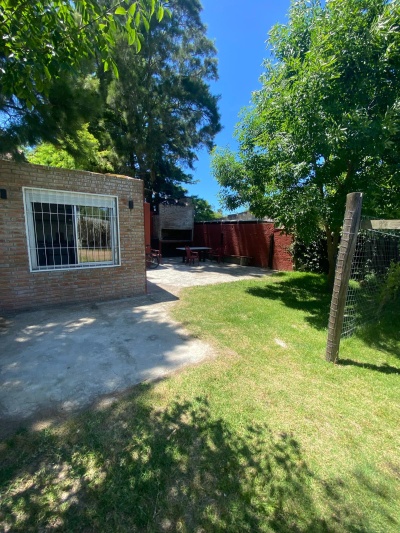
pixel 266 436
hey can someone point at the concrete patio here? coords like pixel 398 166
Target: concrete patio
pixel 56 361
pixel 174 275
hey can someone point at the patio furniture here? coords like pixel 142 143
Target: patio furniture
pixel 218 254
pixel 191 256
pixel 203 250
pixel 153 257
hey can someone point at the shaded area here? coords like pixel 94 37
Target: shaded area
pixel 362 306
pixel 157 294
pixel 60 359
pixel 384 333
pixel 375 258
pixel 305 292
pixel 385 368
pixel 266 245
pixel 135 469
pixel 311 294
pixel 57 360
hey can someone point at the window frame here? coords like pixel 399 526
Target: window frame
pixel 75 199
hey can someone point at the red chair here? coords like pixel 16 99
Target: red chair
pixel 218 254
pixel 191 256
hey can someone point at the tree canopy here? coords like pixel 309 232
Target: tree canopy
pixel 160 110
pixel 204 211
pixel 83 153
pixel 44 42
pixel 326 121
pixel 145 118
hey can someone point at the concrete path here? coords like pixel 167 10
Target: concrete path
pixel 173 275
pixel 58 360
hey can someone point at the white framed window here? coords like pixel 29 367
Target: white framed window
pixel 68 230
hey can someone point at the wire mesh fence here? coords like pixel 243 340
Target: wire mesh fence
pixel 375 251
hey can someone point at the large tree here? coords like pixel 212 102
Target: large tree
pixel 161 109
pixel 326 121
pixel 43 44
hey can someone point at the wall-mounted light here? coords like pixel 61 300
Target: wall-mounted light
pixel 130 204
pixel 3 194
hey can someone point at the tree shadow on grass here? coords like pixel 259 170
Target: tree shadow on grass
pixel 130 468
pixel 384 369
pixel 384 333
pixel 309 293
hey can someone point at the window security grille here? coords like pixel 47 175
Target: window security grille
pixel 68 230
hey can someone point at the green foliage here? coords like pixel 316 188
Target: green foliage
pixel 44 43
pixel 311 256
pixel 86 149
pixel 203 210
pixel 150 112
pixel 161 111
pixel 326 121
pixel 71 102
pixel 41 40
pixel 390 289
pixel 52 156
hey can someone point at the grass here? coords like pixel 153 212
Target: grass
pixel 88 255
pixel 265 437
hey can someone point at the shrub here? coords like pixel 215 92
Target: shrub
pixel 391 286
pixel 311 257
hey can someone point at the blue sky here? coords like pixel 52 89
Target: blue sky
pixel 239 30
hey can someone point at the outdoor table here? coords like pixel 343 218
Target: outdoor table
pixel 200 249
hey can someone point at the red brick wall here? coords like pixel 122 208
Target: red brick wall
pixel 259 240
pixel 21 289
pixel 282 259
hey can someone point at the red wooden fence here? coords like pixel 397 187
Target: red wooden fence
pixel 266 245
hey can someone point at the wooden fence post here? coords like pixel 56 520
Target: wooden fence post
pixel 347 248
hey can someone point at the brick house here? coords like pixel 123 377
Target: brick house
pixel 68 236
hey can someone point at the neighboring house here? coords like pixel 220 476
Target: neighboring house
pixel 68 236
